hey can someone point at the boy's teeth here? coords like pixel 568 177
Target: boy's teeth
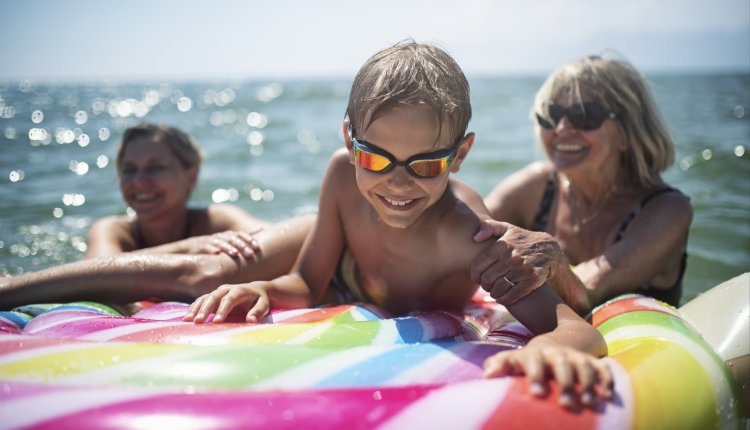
pixel 398 202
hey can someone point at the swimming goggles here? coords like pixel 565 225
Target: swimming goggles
pixel 426 165
pixel 583 116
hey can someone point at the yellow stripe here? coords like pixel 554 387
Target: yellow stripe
pixel 669 385
pixel 64 363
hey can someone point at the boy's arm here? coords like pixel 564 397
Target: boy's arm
pixel 312 272
pixel 323 248
pixel 566 348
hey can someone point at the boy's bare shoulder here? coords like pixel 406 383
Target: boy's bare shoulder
pixel 462 221
pixel 339 163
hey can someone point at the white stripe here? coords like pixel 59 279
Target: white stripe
pixel 219 337
pixel 34 409
pixel 466 405
pixel 618 415
pixel 136 327
pixel 387 333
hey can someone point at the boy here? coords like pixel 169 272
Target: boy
pixel 388 201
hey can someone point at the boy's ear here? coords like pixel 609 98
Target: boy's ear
pixel 348 141
pixel 463 151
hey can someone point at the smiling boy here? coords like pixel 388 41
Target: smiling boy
pixel 387 201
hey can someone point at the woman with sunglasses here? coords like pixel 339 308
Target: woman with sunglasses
pixel 157 168
pixel 602 220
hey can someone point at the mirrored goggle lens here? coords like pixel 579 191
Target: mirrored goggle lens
pixel 370 161
pixel 430 168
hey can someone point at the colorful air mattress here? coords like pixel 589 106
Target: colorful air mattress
pixel 85 365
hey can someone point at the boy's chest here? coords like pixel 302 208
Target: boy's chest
pixel 406 274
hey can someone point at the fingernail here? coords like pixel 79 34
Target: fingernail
pixel 587 398
pixel 248 252
pixel 536 389
pixel 218 317
pixel 566 399
pixel 200 315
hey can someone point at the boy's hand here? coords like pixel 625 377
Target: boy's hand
pixel 518 263
pixel 251 297
pixel 566 365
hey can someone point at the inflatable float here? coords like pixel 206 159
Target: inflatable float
pixel 86 365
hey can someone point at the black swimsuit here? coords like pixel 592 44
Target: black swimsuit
pixel 671 295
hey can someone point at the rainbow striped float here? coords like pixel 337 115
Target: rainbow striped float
pixel 85 365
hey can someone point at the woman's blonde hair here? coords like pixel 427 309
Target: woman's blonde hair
pixel 620 88
pixel 411 74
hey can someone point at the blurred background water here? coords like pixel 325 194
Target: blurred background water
pixel 267 144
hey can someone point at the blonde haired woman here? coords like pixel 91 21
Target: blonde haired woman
pixel 602 220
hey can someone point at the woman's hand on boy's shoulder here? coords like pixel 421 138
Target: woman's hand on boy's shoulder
pixel 519 262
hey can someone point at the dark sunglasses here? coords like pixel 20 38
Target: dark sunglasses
pixel 427 165
pixel 583 116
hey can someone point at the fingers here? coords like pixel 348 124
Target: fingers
pixel 234 243
pixel 526 281
pixel 500 364
pixel 565 378
pixel 569 368
pixel 489 228
pixel 259 310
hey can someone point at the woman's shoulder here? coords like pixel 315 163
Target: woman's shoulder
pixel 667 200
pixel 518 195
pixel 219 217
pixel 113 222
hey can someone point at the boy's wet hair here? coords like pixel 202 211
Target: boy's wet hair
pixel 411 74
pixel 180 143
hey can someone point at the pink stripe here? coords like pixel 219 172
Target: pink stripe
pixel 332 409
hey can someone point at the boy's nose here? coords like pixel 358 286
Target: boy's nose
pixel 399 176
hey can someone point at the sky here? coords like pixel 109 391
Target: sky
pixel 80 40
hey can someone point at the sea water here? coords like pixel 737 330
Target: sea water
pixel 267 144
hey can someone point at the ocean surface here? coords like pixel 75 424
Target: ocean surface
pixel 267 144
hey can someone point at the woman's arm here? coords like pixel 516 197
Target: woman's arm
pixel 130 277
pixel 650 252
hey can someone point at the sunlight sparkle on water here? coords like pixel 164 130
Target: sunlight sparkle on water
pixel 257 120
pixel 16 175
pixel 80 168
pixel 73 199
pixel 184 104
pixel 102 161
pixel 104 134
pixel 221 195
pixel 37 116
pixel 81 117
pixel 83 140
